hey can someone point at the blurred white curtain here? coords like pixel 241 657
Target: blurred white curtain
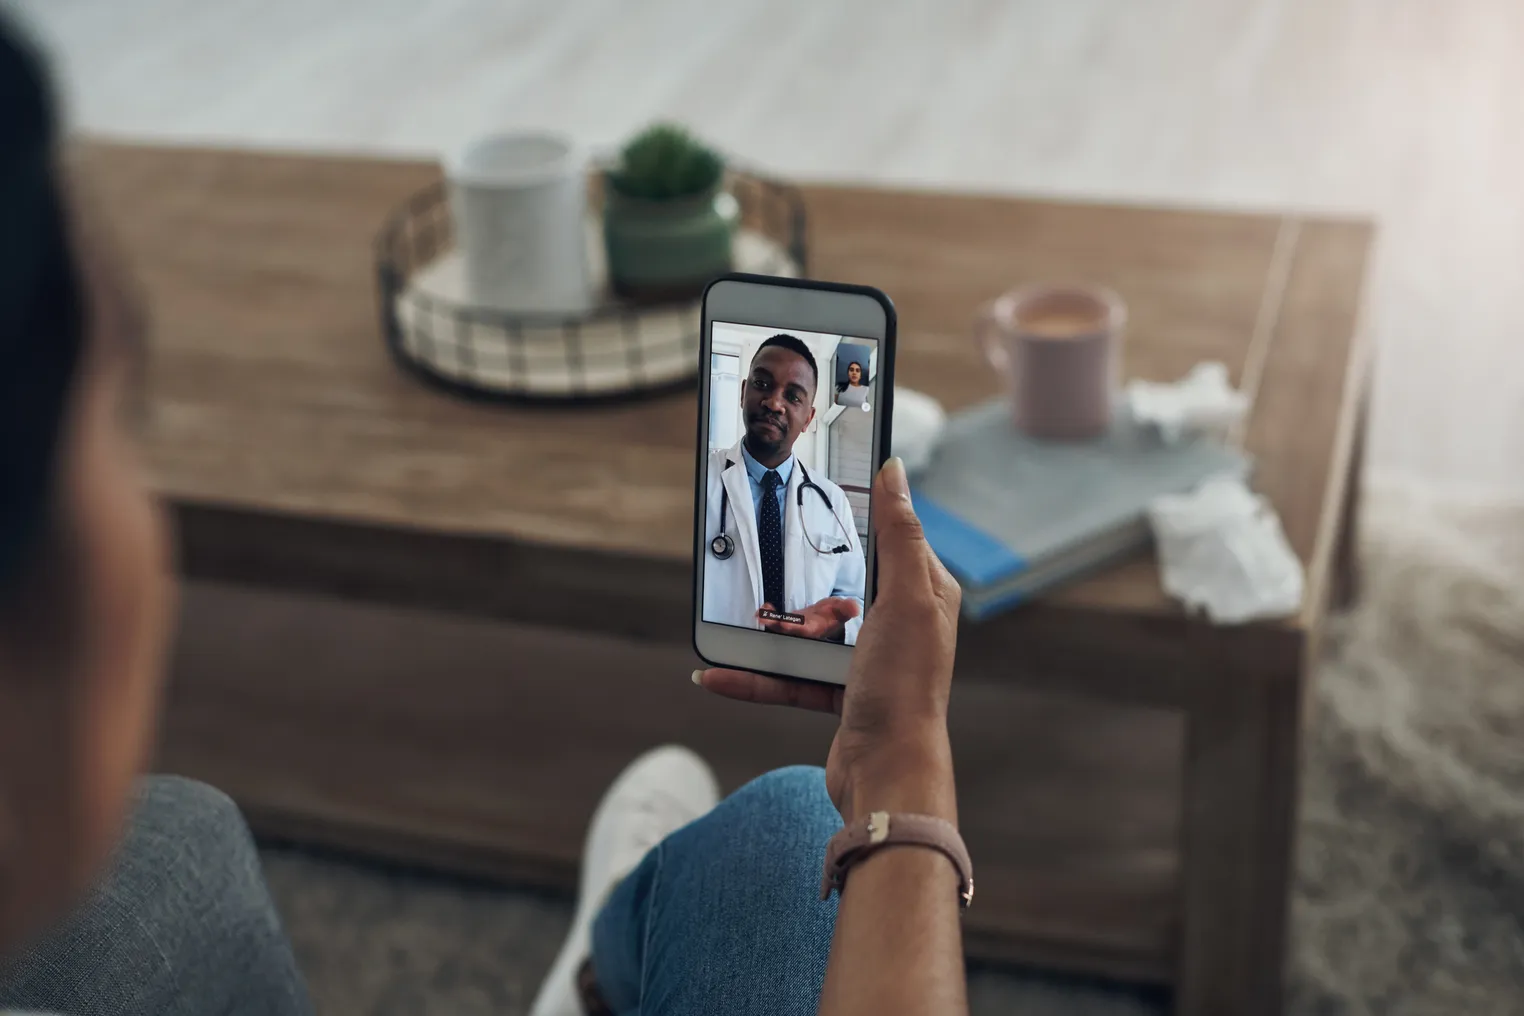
pixel 724 400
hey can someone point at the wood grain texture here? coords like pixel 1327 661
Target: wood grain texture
pixel 298 458
pixel 1242 764
pixel 1347 577
pixel 483 748
pixel 273 395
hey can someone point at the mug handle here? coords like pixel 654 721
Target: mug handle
pixel 988 334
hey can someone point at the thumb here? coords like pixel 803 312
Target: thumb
pixel 901 543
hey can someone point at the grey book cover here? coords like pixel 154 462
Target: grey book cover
pixel 1010 515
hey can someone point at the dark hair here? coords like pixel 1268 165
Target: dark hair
pixel 41 314
pixel 793 345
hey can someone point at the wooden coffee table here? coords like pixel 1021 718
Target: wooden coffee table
pixel 433 630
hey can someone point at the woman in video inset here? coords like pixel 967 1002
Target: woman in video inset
pixel 856 378
pixel 854 390
pixel 127 895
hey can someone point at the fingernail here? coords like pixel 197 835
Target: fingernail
pixel 894 477
pixel 698 678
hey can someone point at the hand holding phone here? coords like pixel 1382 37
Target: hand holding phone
pixel 891 751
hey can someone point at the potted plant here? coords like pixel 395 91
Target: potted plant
pixel 667 219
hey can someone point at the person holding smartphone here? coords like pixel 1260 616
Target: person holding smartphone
pixel 128 896
pixel 717 907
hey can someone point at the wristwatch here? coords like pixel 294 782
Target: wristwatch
pixel 881 829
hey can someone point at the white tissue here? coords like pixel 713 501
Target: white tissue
pixel 1222 550
pixel 918 423
pixel 1202 401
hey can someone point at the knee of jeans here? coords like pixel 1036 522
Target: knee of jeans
pixel 770 833
pixel 792 797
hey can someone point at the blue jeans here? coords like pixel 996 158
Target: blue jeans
pixel 725 915
pixel 722 916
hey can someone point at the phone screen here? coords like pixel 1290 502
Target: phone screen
pixel 791 431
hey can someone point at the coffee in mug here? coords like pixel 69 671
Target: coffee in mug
pixel 1058 349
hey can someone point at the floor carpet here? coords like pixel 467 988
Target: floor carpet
pixel 1411 875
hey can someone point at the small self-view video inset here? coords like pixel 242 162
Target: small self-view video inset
pixel 854 363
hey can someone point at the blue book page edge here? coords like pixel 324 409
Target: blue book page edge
pixel 971 554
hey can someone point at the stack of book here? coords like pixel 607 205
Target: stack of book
pixel 1011 516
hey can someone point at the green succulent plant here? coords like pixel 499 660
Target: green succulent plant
pixel 663 162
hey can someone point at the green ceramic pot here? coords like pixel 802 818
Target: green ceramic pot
pixel 667 250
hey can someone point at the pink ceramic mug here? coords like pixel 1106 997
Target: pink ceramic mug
pixel 1060 350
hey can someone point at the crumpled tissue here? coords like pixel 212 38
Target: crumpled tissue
pixel 1200 402
pixel 1222 550
pixel 919 421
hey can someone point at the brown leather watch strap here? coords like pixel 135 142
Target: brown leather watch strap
pixel 881 829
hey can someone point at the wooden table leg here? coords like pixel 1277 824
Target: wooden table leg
pixel 1239 807
pixel 1346 571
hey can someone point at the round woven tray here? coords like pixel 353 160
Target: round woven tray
pixel 618 350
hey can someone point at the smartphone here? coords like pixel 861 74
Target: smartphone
pixel 795 400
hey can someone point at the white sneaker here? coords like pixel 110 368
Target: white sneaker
pixel 659 793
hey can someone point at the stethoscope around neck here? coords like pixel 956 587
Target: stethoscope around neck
pixel 723 545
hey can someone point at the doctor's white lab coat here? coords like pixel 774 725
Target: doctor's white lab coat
pixel 733 587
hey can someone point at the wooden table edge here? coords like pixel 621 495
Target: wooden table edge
pixel 1356 382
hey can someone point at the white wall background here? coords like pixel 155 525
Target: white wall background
pixel 851 461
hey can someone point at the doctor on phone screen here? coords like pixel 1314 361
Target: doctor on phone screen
pixel 781 538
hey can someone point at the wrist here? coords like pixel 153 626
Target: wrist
pixel 908 777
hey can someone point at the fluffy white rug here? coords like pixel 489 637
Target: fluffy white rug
pixel 1411 884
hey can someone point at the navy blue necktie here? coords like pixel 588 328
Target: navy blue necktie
pixel 770 535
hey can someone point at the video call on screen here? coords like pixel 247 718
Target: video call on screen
pixel 789 470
